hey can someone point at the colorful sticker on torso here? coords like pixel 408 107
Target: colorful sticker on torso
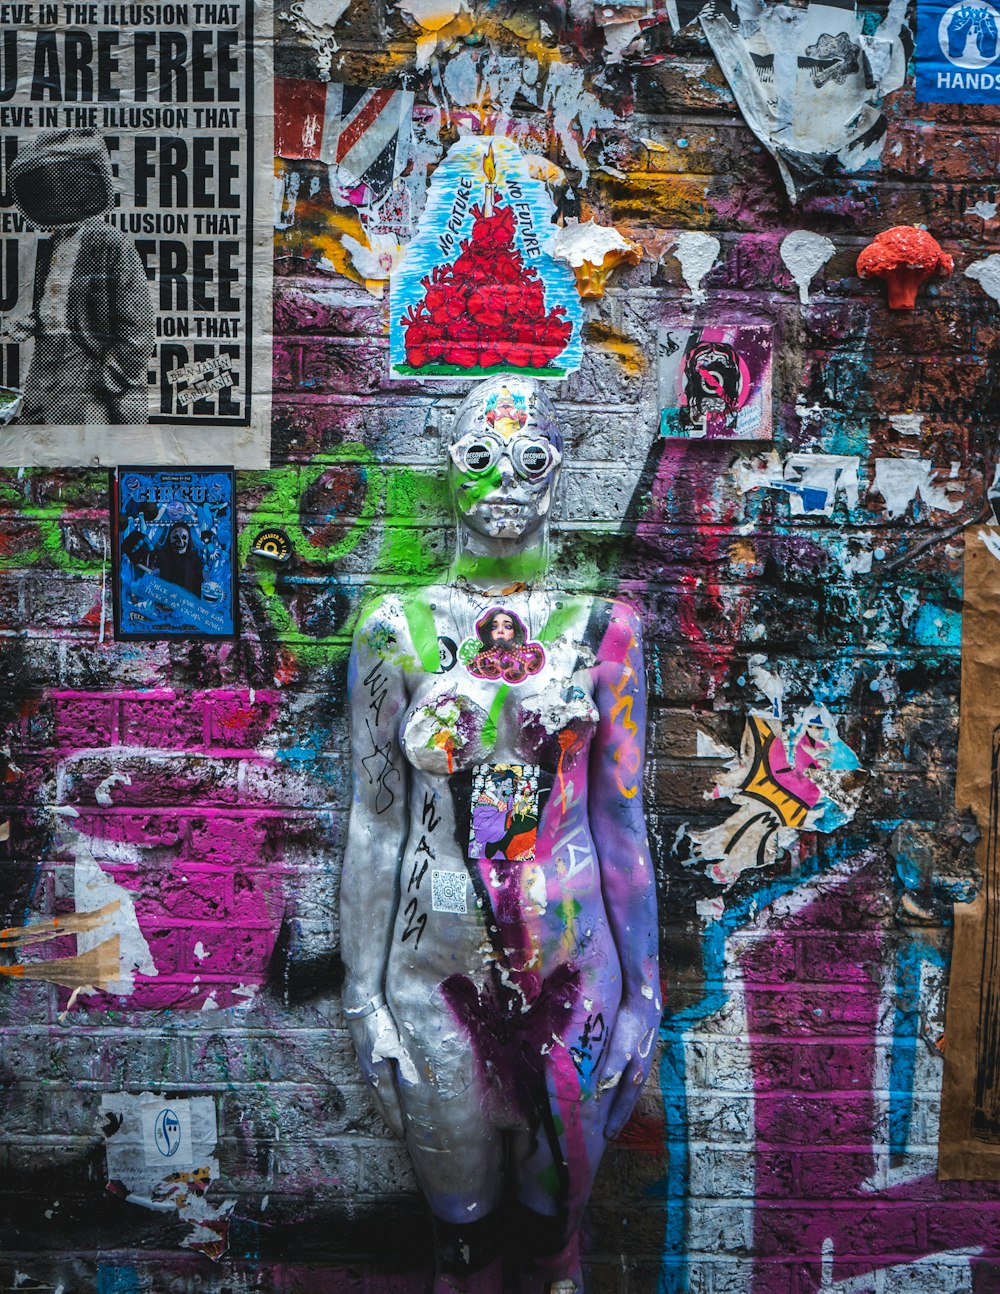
pixel 501 649
pixel 507 801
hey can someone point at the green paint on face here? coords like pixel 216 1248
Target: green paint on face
pixel 517 568
pixel 473 489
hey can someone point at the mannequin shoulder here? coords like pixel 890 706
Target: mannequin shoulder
pixel 620 628
pixel 393 624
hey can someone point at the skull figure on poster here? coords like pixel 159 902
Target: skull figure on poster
pixel 498 908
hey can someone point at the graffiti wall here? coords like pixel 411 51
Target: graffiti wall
pixel 251 264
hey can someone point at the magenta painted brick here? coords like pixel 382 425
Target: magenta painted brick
pixel 239 721
pixel 163 722
pixel 139 780
pixel 82 720
pixel 228 837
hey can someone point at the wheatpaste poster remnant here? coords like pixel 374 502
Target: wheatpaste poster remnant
pixel 174 555
pixel 135 234
pixel 969 1145
pixel 715 383
pixel 478 291
pixel 810 81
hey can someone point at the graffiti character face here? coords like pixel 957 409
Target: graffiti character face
pixel 712 378
pixel 505 784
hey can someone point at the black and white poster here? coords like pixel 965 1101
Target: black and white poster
pixel 135 233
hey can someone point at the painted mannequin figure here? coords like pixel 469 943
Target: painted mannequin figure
pixel 498 909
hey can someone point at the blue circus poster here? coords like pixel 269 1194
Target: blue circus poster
pixel 478 291
pixel 958 52
pixel 173 533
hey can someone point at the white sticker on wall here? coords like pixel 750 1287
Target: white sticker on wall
pixel 166 1134
pixel 448 891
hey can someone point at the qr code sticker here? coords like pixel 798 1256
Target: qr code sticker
pixel 448 891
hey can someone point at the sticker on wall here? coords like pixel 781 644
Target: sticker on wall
pixel 715 382
pixel 137 236
pixel 161 1154
pixel 174 556
pixel 271 543
pixel 364 132
pixel 958 52
pixel 505 812
pixel 501 650
pixel 478 290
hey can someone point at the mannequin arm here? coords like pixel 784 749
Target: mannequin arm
pixel 376 837
pixel 618 826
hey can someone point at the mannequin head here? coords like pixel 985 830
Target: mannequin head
pixel 505 451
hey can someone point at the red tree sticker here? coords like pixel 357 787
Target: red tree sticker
pixel 498 301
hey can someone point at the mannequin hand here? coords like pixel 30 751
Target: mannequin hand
pixel 384 1062
pixel 628 1061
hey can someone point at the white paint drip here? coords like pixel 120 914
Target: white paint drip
pixel 985 210
pixel 102 792
pixel 900 480
pixel 987 274
pixel 586 242
pixel 696 253
pixel 805 254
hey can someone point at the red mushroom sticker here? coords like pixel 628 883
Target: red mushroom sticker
pixel 906 257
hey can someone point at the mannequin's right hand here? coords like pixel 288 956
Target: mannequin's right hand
pixel 385 1063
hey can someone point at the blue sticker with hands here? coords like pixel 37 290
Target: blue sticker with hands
pixel 958 52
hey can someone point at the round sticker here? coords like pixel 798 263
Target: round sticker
pixel 969 34
pixel 273 544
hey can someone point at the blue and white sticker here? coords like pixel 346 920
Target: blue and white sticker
pixel 166 1134
pixel 958 52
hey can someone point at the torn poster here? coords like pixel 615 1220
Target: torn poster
pixel 969 1145
pixel 364 133
pixel 137 236
pixel 161 1155
pixel 478 290
pixel 783 782
pixel 810 82
pixel 958 48
pixel 715 382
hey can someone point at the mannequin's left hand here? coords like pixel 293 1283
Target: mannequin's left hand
pixel 628 1062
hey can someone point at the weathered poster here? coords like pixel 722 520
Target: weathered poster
pixel 478 291
pixel 810 81
pixel 135 233
pixel 958 52
pixel 969 1146
pixel 174 553
pixel 715 382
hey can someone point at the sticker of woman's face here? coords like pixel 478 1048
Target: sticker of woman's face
pixel 502 628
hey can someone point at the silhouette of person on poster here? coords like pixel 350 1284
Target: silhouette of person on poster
pixel 92 314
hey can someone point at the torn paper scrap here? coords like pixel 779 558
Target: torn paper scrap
pixel 901 480
pixel 810 82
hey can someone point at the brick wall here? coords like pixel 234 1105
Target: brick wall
pixel 787 1139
